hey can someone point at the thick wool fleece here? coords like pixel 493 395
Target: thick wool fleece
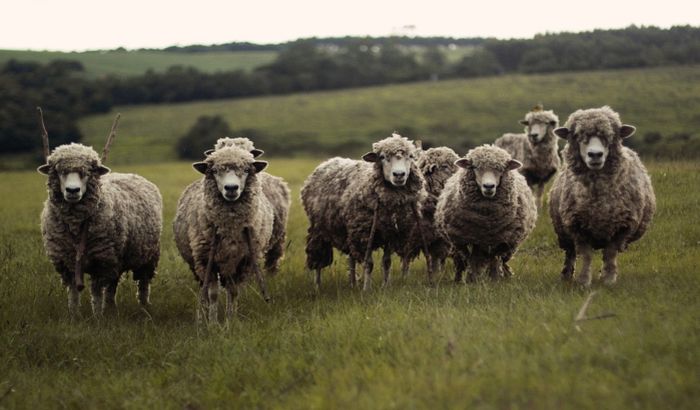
pixel 437 166
pixel 540 161
pixel 614 204
pixel 465 217
pixel 123 214
pixel 339 198
pixel 202 213
pixel 277 193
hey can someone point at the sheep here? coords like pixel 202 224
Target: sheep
pixel 115 219
pixel 488 208
pixel 277 192
pixel 358 206
pixel 437 165
pixel 603 198
pixel 536 149
pixel 223 225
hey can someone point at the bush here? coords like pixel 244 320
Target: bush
pixel 202 136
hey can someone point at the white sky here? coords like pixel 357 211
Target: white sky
pixel 99 24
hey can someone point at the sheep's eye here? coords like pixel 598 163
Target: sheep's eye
pixel 247 171
pixel 382 157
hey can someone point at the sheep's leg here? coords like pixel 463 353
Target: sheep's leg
pixel 610 264
pixel 144 291
pixel 460 267
pixel 97 290
pixel 369 265
pixel 73 300
pixel 386 265
pixel 213 296
pixel 474 265
pixel 203 300
pixel 494 271
pixel 567 272
pixel 405 264
pixel 351 272
pixel 110 296
pixel 586 252
pixel 231 299
pixel 539 193
pixel 317 279
pixel 256 268
pixel 424 242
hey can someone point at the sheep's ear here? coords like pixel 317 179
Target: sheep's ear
pixel 513 164
pixel 44 169
pixel 371 157
pixel 524 122
pixel 256 152
pixel 259 165
pixel 101 170
pixel 562 132
pixel 463 163
pixel 208 152
pixel 201 167
pixel 627 131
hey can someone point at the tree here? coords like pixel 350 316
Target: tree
pixel 202 136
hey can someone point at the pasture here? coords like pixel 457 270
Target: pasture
pixel 457 113
pixel 509 344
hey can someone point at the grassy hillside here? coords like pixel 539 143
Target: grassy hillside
pixel 459 113
pixel 489 345
pixel 129 63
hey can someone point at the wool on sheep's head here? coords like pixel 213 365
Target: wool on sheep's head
pixel 437 165
pixel 539 124
pixel 394 158
pixel 594 137
pixel 240 142
pixel 487 165
pixel 73 171
pixel 231 171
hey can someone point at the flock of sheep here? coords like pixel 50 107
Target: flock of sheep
pixel 475 209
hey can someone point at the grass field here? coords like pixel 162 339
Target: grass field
pixel 458 113
pixel 489 345
pixel 131 63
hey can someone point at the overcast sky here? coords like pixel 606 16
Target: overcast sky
pixel 98 24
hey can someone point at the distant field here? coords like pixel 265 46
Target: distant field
pixel 130 63
pixel 488 345
pixel 459 113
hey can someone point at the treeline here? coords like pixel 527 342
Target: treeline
pixel 323 64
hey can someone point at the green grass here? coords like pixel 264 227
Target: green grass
pixel 458 113
pixel 132 63
pixel 490 345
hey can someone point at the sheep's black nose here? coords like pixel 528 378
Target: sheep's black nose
pixel 534 135
pixel 595 155
pixel 231 187
pixel 73 190
pixel 399 174
pixel 489 186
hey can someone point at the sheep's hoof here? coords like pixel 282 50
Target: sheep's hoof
pixel 584 281
pixel 609 279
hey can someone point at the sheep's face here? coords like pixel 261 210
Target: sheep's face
pixel 536 130
pixel 231 177
pixel 488 177
pixel 396 167
pixel 73 175
pixel 594 144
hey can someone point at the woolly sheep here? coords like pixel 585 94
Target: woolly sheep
pixel 359 206
pixel 603 198
pixel 223 225
pixel 536 149
pixel 437 165
pixel 488 208
pixel 122 218
pixel 277 192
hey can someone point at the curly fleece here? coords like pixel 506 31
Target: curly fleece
pixel 277 192
pixel 616 203
pixel 540 161
pixel 124 213
pixel 339 198
pixel 497 225
pixel 202 212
